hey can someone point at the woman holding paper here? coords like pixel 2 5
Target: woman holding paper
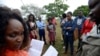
pixel 13 34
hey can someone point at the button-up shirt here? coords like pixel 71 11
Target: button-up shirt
pixel 40 24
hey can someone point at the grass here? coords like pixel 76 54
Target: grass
pixel 59 43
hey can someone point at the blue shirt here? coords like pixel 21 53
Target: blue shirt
pixel 69 32
pixel 77 24
pixel 40 24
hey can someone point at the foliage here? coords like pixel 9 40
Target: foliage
pixel 56 8
pixel 32 9
pixel 83 8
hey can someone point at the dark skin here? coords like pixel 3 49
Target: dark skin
pixel 40 19
pixel 94 6
pixel 69 18
pixel 31 18
pixel 14 34
pixel 80 14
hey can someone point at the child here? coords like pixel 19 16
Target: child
pixel 51 31
pixel 13 34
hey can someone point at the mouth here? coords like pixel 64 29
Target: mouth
pixel 17 46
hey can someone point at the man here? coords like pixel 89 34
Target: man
pixel 79 20
pixel 41 29
pixel 91 47
pixel 69 29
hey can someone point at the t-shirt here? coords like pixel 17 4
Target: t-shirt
pixel 79 21
pixel 16 53
pixel 51 27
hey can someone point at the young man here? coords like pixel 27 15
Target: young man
pixel 79 20
pixel 69 29
pixel 41 29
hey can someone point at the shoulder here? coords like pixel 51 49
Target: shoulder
pixel 75 19
pixel 84 17
pixel 17 52
pixel 25 53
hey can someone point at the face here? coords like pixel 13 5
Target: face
pixel 80 14
pixel 31 18
pixel 94 6
pixel 39 19
pixel 69 16
pixel 50 21
pixel 14 34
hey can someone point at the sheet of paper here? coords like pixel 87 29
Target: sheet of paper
pixel 51 51
pixel 33 52
pixel 36 47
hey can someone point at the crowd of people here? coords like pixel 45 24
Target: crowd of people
pixel 16 33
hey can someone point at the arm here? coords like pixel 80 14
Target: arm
pixel 47 28
pixel 44 24
pixel 73 26
pixel 83 28
pixel 54 27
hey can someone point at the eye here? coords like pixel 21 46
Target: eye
pixel 22 33
pixel 12 35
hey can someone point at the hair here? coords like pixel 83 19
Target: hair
pixel 5 15
pixel 34 20
pixel 64 15
pixel 30 16
pixel 17 11
pixel 49 18
pixel 70 13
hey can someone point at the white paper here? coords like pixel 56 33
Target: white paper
pixel 36 47
pixel 33 52
pixel 51 51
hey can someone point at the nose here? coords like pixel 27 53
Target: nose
pixel 19 39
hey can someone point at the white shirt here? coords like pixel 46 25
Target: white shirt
pixel 79 21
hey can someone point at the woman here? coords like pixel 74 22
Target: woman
pixel 32 26
pixel 87 26
pixel 51 32
pixel 13 34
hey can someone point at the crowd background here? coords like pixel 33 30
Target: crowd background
pixel 62 33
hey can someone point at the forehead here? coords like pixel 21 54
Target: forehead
pixel 14 24
pixel 68 14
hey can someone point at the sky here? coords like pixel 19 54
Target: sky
pixel 73 4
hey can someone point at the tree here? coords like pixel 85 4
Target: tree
pixel 56 9
pixel 32 9
pixel 83 8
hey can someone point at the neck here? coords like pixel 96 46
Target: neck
pixel 69 19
